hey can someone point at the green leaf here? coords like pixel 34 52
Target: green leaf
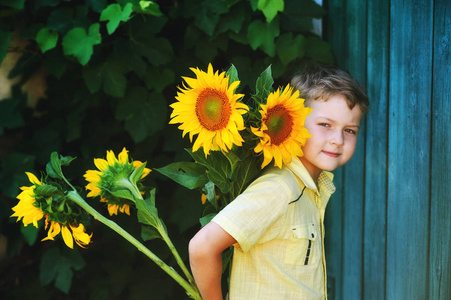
pixel 147 211
pixel 144 114
pixel 58 265
pixel 206 14
pixel 188 174
pixel 124 194
pixel 18 4
pixel 45 190
pixel 137 173
pixel 263 86
pixel 158 79
pixel 80 44
pixel 319 50
pixel 110 76
pixel 232 73
pixel 114 14
pixel 289 48
pixel 149 233
pixel 150 7
pixel 247 171
pixel 5 37
pixel 46 39
pixel 30 233
pixel 10 114
pixel 219 169
pixel 206 219
pixel 53 168
pixel 262 35
pixel 270 8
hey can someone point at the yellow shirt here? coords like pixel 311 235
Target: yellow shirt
pixel 278 225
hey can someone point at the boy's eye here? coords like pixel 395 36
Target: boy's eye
pixel 324 124
pixel 350 131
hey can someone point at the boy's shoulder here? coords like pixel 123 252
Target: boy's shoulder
pixel 278 177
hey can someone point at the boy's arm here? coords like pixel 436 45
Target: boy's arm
pixel 205 250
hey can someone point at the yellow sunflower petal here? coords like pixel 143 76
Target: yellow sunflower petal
pixel 123 156
pixel 32 178
pixel 67 237
pixel 101 164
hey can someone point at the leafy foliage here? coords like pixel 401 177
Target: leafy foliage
pixel 111 68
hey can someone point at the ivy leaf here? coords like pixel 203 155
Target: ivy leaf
pixel 188 174
pixel 289 48
pixel 270 8
pixel 144 113
pixel 79 44
pixel 46 39
pixel 158 79
pixel 114 14
pixel 58 265
pixel 262 35
pixel 30 233
pixel 5 37
pixel 206 14
pixel 150 8
pixel 110 76
pixel 319 50
pixel 17 4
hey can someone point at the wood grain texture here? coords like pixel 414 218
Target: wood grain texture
pixel 409 146
pixel 440 227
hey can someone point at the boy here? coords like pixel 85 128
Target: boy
pixel 276 225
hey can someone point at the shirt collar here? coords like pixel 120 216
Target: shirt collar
pixel 324 180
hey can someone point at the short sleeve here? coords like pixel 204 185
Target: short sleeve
pixel 250 216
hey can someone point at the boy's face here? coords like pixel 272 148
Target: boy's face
pixel 334 127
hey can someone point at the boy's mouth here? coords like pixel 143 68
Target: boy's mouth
pixel 331 154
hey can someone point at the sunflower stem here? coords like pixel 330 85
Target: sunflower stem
pixel 190 290
pixel 161 229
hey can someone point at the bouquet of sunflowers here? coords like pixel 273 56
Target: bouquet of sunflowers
pixel 234 142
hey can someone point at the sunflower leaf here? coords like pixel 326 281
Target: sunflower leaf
pixel 149 233
pixel 232 73
pixel 137 173
pixel 219 168
pixel 147 211
pixel 187 174
pixel 263 86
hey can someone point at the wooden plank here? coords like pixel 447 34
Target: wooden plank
pixel 376 152
pixel 409 146
pixel 439 254
pixel 334 33
pixel 354 171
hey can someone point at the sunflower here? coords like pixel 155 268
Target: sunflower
pixel 77 232
pixel 282 132
pixel 112 173
pixel 28 209
pixel 209 107
pixel 34 206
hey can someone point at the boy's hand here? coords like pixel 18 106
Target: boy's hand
pixel 205 250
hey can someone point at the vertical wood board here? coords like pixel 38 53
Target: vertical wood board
pixel 353 184
pixel 376 152
pixel 440 241
pixel 409 146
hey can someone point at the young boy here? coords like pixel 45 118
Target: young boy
pixel 276 225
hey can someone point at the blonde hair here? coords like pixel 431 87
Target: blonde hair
pixel 320 82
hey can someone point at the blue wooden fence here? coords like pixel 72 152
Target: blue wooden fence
pixel 388 230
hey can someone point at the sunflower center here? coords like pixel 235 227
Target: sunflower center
pixel 213 109
pixel 280 123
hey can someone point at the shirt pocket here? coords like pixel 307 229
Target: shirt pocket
pixel 302 247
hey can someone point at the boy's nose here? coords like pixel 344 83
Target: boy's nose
pixel 337 138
